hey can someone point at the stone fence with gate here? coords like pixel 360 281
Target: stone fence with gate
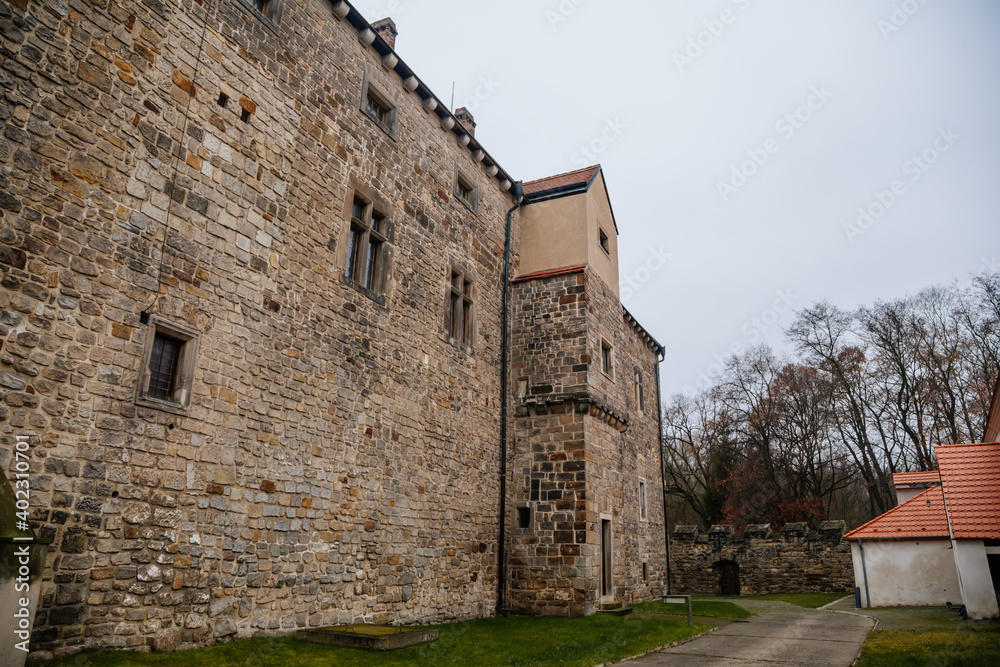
pixel 758 561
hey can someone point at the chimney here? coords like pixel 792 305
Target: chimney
pixel 464 116
pixel 386 29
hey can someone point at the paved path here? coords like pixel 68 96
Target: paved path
pixel 781 634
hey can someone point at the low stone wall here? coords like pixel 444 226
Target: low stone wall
pixel 757 562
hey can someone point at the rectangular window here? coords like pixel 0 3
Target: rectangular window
pixel 168 366
pixel 645 571
pixel 377 111
pixel 524 518
pixel 465 191
pixel 379 107
pixel 605 244
pixel 163 365
pixel 366 243
pixel 639 399
pixel 536 486
pixel 607 363
pixel 460 304
pixel 642 500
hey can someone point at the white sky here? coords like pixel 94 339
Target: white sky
pixel 553 77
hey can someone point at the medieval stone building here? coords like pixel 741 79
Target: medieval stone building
pixel 252 308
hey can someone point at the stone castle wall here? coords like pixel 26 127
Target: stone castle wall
pixel 796 560
pixel 339 458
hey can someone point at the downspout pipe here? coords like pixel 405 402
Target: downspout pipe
pixel 864 571
pixel 663 475
pixel 502 608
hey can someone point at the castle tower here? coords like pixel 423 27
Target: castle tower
pixel 586 483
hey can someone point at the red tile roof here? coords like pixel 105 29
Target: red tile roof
pixel 916 478
pixel 970 475
pixel 578 177
pixel 920 517
pixel 550 273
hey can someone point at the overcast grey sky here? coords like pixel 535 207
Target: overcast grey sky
pixel 742 138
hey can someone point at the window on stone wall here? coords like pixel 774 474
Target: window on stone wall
pixel 639 398
pixel 269 10
pixel 459 320
pixel 379 107
pixel 645 571
pixel 642 500
pixel 524 518
pixel 168 366
pixel 466 191
pixel 607 359
pixel 367 242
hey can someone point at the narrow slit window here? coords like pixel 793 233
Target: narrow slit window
pixel 524 518
pixel 606 359
pixel 645 571
pixel 642 500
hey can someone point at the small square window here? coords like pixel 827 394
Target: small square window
pixel 376 105
pixel 643 516
pixel 524 518
pixel 607 359
pixel 605 243
pixel 465 191
pixel 168 367
pixel 223 100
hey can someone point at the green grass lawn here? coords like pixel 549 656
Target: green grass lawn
pixel 810 600
pixel 705 608
pixel 961 647
pixel 519 640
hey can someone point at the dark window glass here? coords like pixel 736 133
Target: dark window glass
pixel 260 6
pixel 524 518
pixel 377 111
pixel 353 241
pixel 373 249
pixel 163 366
pixel 604 242
pixel 606 358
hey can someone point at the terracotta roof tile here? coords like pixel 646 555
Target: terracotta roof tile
pixel 971 480
pixel 577 177
pixel 920 517
pixel 916 478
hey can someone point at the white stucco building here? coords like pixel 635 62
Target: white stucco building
pixel 942 542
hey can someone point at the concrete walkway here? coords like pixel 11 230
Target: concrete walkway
pixel 781 634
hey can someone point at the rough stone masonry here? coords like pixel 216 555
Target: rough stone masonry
pixel 328 452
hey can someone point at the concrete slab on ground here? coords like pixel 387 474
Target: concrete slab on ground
pixel 781 635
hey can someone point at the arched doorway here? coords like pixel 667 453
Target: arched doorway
pixel 728 572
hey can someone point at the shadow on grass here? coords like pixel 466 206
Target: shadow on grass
pixel 518 640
